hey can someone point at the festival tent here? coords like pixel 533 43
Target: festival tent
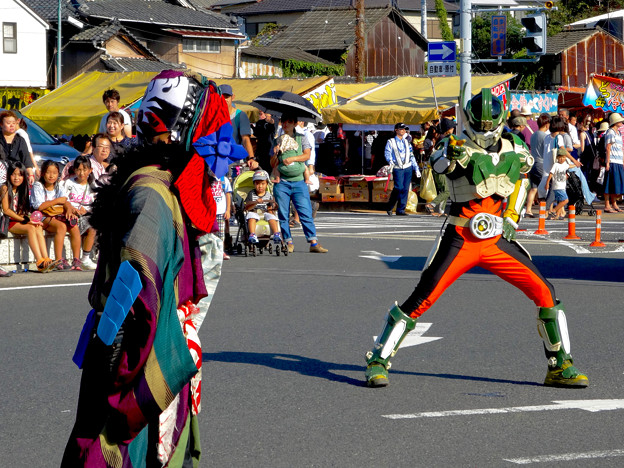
pixel 76 108
pixel 411 100
pixel 246 90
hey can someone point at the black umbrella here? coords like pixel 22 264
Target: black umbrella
pixel 283 102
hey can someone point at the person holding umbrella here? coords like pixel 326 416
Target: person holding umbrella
pixel 289 157
pixel 292 187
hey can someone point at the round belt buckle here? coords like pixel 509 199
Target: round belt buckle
pixel 482 226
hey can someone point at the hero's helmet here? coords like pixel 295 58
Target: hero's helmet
pixel 484 118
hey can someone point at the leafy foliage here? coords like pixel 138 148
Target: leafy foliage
pixel 266 33
pixel 300 68
pixel 445 30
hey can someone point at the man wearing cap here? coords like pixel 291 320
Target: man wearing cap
pixel 242 128
pixel 531 125
pixel 400 157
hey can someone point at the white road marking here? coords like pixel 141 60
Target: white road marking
pixel 45 286
pixel 415 338
pixel 374 255
pixel 586 405
pixel 567 457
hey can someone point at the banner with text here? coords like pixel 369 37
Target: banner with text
pixel 539 103
pixel 16 98
pixel 604 92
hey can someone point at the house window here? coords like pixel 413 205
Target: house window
pixel 210 46
pixel 9 38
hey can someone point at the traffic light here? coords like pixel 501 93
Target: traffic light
pixel 535 38
pixel 549 5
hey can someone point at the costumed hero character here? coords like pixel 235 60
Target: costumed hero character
pixel 483 169
pixel 159 265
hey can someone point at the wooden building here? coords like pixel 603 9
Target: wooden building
pixel 392 45
pixel 574 55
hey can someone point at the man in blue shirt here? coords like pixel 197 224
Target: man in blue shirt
pixel 400 157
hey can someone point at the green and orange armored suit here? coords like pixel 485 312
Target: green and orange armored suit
pixel 485 170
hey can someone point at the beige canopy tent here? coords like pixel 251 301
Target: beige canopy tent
pixel 411 100
pixel 246 90
pixel 76 108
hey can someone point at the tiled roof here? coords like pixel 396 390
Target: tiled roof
pixel 566 39
pixel 153 11
pixel 206 34
pixel 102 32
pixel 328 30
pixel 281 53
pixel 106 30
pixel 280 6
pixel 48 9
pixel 123 64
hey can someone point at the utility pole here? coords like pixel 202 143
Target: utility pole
pixel 59 63
pixel 465 65
pixel 359 41
pixel 423 18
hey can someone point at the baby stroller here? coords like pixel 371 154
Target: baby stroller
pixel 243 184
pixel 574 191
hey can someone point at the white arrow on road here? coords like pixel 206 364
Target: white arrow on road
pixel 415 338
pixel 374 255
pixel 586 405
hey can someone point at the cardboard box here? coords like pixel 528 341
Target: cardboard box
pixel 329 186
pixel 357 183
pixel 332 197
pixel 380 183
pixel 356 195
pixel 379 196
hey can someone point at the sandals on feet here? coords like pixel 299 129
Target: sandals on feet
pixel 429 208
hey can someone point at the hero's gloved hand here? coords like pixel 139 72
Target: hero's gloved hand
pixel 509 229
pixel 455 149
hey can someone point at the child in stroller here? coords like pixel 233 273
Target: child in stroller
pixel 256 214
pixel 260 201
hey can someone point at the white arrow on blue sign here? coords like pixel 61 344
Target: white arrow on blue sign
pixel 442 51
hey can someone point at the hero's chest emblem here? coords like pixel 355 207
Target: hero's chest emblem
pixel 490 177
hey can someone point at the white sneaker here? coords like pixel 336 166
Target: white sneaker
pixel 89 264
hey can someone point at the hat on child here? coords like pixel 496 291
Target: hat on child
pixel 260 175
pixel 562 152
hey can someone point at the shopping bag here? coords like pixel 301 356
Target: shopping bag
pixel 412 203
pixel 427 185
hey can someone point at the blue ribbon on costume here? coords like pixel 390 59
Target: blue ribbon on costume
pixel 83 341
pixel 126 288
pixel 219 149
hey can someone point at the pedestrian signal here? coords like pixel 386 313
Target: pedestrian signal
pixel 535 38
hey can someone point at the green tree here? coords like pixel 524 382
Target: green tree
pixel 445 30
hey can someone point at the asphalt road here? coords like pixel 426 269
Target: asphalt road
pixel 284 349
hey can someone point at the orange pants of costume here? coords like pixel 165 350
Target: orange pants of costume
pixel 459 251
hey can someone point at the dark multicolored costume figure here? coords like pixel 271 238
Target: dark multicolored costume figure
pixel 482 171
pixel 140 352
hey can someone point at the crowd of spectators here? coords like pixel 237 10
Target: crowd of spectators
pixel 593 150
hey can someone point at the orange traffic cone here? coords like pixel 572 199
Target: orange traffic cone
pixel 541 227
pixel 597 242
pixel 572 224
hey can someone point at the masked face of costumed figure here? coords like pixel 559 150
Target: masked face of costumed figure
pixel 168 105
pixel 484 118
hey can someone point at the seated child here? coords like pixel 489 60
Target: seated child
pixel 559 175
pixel 260 201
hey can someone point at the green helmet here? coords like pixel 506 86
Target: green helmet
pixel 484 116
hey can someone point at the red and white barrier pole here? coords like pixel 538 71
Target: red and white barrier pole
pixel 572 224
pixel 597 242
pixel 541 227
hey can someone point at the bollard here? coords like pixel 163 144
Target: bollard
pixel 541 227
pixel 597 242
pixel 572 224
